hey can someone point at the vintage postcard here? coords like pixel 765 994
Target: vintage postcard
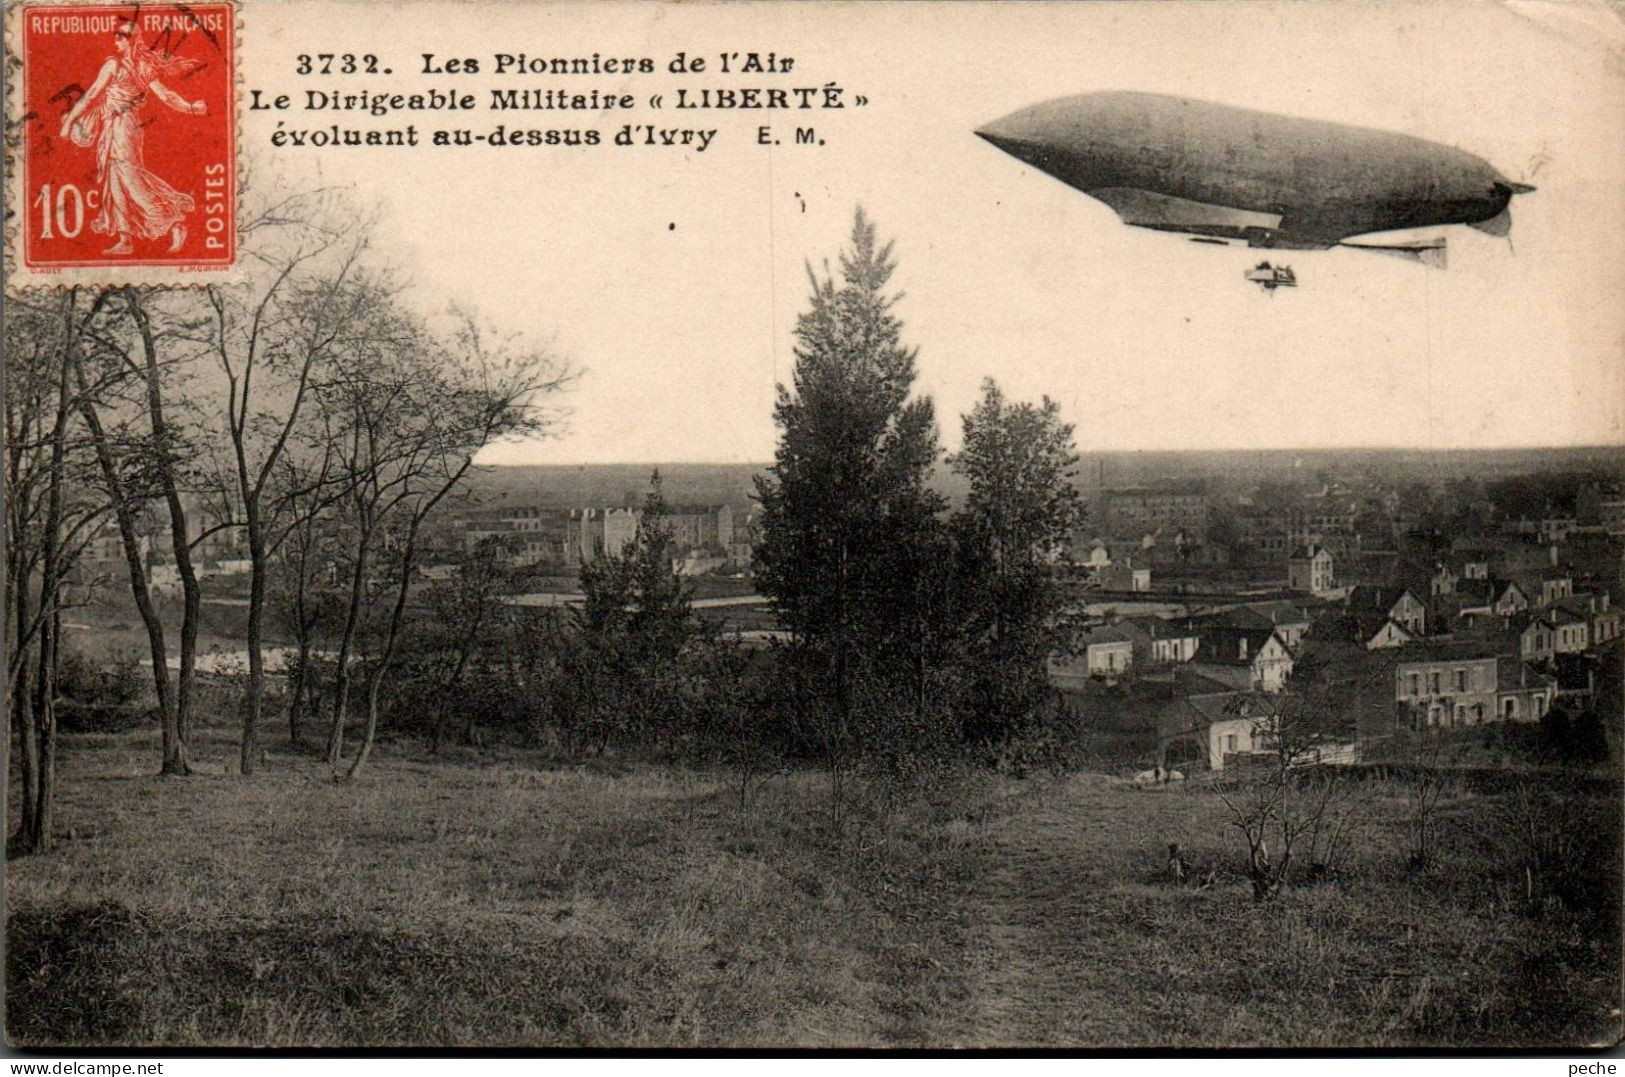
pixel 1086 526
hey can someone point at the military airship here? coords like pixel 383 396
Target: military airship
pixel 1220 174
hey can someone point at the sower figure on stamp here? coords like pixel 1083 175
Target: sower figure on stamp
pixel 134 201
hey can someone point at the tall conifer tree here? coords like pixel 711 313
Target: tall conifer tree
pixel 848 522
pixel 1022 507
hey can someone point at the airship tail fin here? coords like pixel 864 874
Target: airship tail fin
pixel 1498 225
pixel 1436 257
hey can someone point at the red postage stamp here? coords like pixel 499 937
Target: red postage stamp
pixel 129 155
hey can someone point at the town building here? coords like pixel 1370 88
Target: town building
pixel 214 530
pixel 1309 568
pixel 1170 643
pixel 1522 695
pixel 1509 599
pixel 534 534
pixel 1488 597
pixel 1397 604
pixel 1546 530
pixel 1537 638
pixel 1125 576
pixel 1371 629
pixel 1254 659
pixel 1104 651
pixel 1223 729
pixel 1089 555
pixel 1232 724
pixel 1607 623
pixel 1389 634
pixel 1291 619
pixel 699 527
pixel 1446 684
pixel 1556 584
pixel 1146 510
pixel 1602 506
pixel 529 534
pixel 106 546
pixel 594 533
pixel 1566 629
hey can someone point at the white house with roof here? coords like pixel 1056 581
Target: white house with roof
pixel 1309 568
pixel 1521 695
pixel 1104 651
pixel 1245 658
pixel 1390 634
pixel 1221 727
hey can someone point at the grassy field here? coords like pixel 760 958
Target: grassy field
pixel 502 901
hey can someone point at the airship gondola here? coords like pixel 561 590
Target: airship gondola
pixel 1270 277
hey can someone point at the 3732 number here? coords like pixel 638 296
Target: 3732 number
pixel 336 63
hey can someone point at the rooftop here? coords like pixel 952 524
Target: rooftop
pixel 1511 676
pixel 1101 634
pixel 1221 644
pixel 1450 650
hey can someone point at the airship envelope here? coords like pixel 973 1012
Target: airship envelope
pixel 1219 173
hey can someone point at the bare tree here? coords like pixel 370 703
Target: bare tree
pixel 123 458
pixel 171 451
pixel 370 383
pixel 305 496
pixel 270 344
pixel 1280 798
pixel 465 611
pixel 50 520
pixel 1268 807
pixel 146 433
pixel 1427 781
pixel 459 396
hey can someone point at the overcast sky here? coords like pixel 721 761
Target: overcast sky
pixel 675 277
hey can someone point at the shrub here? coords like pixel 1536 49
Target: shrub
pixel 73 717
pixel 119 682
pixel 1563 846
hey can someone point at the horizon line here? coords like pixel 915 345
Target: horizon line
pixel 767 462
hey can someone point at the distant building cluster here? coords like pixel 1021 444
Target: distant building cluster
pixel 702 535
pixel 215 539
pixel 1201 607
pixel 1150 510
pixel 704 538
pixel 1416 608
